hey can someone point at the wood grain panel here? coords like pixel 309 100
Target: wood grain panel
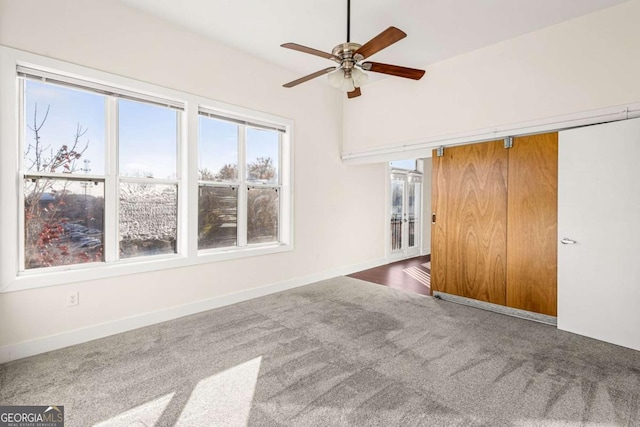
pixel 470 198
pixel 438 229
pixel 532 224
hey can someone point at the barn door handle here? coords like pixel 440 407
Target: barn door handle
pixel 567 241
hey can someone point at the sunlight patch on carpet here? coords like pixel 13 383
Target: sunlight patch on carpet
pixel 224 398
pixel 146 414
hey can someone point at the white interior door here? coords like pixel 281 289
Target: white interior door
pixel 599 210
pixel 405 215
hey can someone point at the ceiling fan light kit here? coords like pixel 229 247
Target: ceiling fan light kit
pixel 346 80
pixel 347 76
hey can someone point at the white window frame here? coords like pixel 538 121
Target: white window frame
pixel 111 179
pixel 390 255
pixel 12 278
pixel 243 186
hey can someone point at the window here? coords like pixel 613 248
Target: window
pixel 263 202
pixel 119 176
pixel 218 152
pixel 262 214
pixel 64 141
pixel 148 191
pixel 239 183
pixel 408 164
pixel 64 221
pixel 66 144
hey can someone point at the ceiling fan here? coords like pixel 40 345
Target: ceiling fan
pixel 349 56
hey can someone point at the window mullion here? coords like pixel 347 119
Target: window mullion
pixel 189 177
pixel 112 182
pixel 242 189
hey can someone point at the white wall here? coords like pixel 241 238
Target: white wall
pixel 338 223
pixel 587 63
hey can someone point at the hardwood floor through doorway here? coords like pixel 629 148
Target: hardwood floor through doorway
pixel 407 275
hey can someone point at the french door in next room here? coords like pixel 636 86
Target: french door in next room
pixel 405 218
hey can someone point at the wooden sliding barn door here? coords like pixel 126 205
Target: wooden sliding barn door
pixel 495 229
pixel 469 235
pixel 533 223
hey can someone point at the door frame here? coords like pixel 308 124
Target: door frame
pixel 392 256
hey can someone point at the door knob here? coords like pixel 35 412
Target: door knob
pixel 567 241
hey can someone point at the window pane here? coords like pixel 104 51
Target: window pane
pixel 397 205
pixel 217 217
pixel 263 206
pixel 262 155
pixel 148 219
pixel 64 129
pixel 64 222
pixel 409 164
pixel 411 213
pixel 147 140
pixel 217 150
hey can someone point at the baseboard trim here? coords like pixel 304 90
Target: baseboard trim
pixel 21 350
pixel 496 308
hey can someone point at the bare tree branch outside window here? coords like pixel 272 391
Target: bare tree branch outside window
pixel 63 219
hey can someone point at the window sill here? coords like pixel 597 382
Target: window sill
pixel 213 255
pixel 37 279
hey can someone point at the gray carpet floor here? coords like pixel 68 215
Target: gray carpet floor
pixel 338 352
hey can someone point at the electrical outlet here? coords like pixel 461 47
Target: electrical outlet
pixel 73 299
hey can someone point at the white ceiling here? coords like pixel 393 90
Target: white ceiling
pixel 437 29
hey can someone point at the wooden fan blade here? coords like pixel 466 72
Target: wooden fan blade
pixel 394 70
pixel 310 50
pixel 379 42
pixel 354 93
pixel 309 77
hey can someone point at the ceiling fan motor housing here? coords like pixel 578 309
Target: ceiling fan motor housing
pixel 345 51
